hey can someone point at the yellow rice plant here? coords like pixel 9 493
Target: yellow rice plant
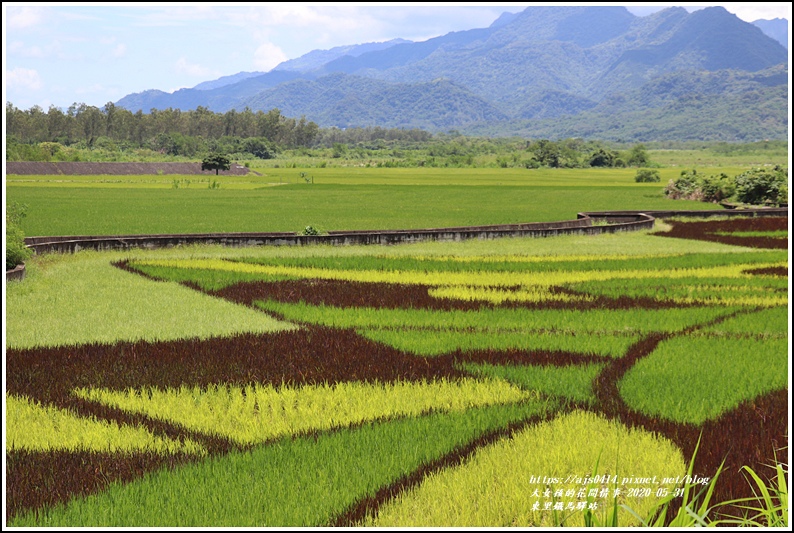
pixel 474 279
pixel 31 426
pixel 497 296
pixel 257 413
pixel 545 476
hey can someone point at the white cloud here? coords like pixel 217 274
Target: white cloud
pixel 24 17
pixel 268 55
pixel 53 50
pixel 750 12
pixel 178 15
pixel 16 46
pixel 23 78
pixel 310 24
pixel 119 51
pixel 193 69
pixel 338 18
pixel 299 29
pixel 112 48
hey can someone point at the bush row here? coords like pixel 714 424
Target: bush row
pixel 758 186
pixel 16 252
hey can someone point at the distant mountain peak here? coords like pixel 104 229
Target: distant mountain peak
pixel 317 58
pixel 226 80
pixel 776 28
pixel 504 18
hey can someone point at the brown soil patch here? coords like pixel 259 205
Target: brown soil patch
pixel 44 479
pixel 341 293
pixel 81 168
pixel 781 272
pixel 707 231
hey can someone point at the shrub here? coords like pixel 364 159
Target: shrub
pixel 603 158
pixel 685 187
pixel 645 175
pixel 717 188
pixel 310 230
pixel 756 186
pixel 763 186
pixel 638 157
pixel 339 150
pixel 259 147
pixel 16 252
pixel 691 186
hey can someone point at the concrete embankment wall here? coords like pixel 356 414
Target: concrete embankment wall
pixel 588 223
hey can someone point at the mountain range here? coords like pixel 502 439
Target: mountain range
pixel 587 71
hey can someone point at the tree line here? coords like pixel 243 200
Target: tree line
pixel 84 133
pixel 187 133
pixel 87 125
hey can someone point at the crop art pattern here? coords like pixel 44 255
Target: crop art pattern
pixel 415 391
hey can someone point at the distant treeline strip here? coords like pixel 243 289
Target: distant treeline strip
pixel 176 132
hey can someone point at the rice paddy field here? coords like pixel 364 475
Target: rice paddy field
pixel 289 199
pixel 514 382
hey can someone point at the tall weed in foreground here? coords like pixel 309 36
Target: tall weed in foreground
pixel 693 510
pixel 768 507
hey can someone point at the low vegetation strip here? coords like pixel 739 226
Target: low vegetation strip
pixel 431 342
pixel 571 382
pixel 604 321
pixel 82 299
pixel 773 321
pixel 80 168
pixel 518 263
pixel 442 279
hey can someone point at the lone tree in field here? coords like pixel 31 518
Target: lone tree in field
pixel 216 162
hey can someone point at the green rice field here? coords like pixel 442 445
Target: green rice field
pixel 335 199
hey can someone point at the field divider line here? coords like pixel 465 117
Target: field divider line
pixel 368 506
pixel 214 444
pixel 684 435
pixel 606 384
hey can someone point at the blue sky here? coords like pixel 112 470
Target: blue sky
pixel 61 53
